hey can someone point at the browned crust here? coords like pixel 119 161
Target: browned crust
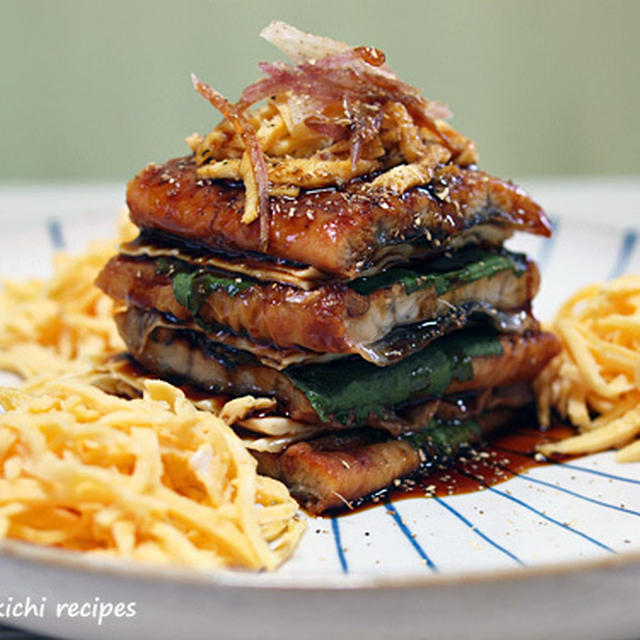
pixel 322 320
pixel 171 354
pixel 336 470
pixel 336 230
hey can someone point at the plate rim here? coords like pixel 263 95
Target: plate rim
pixel 122 568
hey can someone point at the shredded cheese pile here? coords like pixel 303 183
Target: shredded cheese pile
pixel 51 326
pixel 153 479
pixel 598 371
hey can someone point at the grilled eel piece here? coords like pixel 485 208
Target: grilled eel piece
pixel 323 393
pixel 337 318
pixel 335 470
pixel 342 231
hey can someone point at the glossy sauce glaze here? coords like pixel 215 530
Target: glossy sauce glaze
pixel 337 231
pixel 506 455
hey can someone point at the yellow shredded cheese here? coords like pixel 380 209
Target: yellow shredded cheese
pixel 52 325
pixel 152 479
pixel 598 371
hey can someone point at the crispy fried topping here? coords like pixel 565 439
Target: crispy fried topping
pixel 336 114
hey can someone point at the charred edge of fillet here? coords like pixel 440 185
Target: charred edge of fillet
pixel 345 228
pixel 196 249
pixel 339 470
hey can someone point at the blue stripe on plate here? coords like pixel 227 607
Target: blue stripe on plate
pixel 411 537
pixel 54 228
pixel 548 245
pixel 596 472
pixel 570 465
pixel 335 527
pixel 522 503
pixel 477 531
pixel 575 494
pixel 627 247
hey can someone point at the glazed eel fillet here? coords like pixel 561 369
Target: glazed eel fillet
pixel 340 232
pixel 346 392
pixel 361 345
pixel 382 318
pixel 337 470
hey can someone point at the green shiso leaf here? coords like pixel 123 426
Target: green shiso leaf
pixel 193 286
pixel 351 389
pixel 192 289
pixel 444 273
pixel 445 439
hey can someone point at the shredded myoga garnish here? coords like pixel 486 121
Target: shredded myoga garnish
pixel 337 113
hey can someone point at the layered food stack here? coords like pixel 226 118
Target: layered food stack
pixel 335 249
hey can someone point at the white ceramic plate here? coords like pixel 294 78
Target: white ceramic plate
pixel 554 553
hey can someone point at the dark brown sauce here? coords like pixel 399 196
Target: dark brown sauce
pixel 506 455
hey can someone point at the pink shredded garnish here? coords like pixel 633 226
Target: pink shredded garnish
pixel 349 78
pixel 327 73
pixel 366 122
pixel 327 127
pixel 438 111
pixel 246 131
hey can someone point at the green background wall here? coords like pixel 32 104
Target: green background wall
pixel 94 90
